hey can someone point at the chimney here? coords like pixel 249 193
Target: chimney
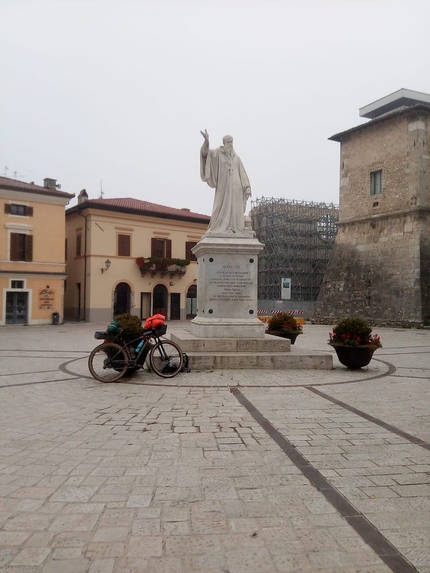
pixel 83 196
pixel 50 183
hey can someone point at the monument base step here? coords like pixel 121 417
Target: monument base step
pixel 270 352
pixel 189 342
pixel 266 361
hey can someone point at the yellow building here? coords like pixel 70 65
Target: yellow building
pixel 32 260
pixel 130 256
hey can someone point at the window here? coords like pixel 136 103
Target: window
pixel 188 253
pixel 21 247
pixel 161 248
pixel 376 182
pixel 124 245
pixel 15 209
pixel 16 284
pixel 78 244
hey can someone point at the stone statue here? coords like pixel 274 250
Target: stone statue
pixel 223 170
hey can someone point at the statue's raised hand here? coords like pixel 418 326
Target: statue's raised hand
pixel 205 135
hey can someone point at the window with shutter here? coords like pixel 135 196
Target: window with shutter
pixel 124 245
pixel 188 253
pixel 21 247
pixel 14 209
pixel 161 248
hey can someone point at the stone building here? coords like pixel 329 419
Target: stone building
pixel 380 266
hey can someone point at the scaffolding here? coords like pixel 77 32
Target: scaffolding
pixel 298 238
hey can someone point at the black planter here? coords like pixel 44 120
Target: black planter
pixel 354 357
pixel 290 335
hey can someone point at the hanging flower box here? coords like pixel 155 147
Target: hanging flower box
pixel 163 266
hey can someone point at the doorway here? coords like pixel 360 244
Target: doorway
pixel 122 299
pixel 175 306
pixel 145 305
pixel 160 300
pixel 16 307
pixel 192 301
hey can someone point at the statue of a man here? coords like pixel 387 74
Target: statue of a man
pixel 223 170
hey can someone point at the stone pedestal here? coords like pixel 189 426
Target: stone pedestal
pixel 227 288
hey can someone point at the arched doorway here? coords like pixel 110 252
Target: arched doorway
pixel 159 301
pixel 122 299
pixel 192 301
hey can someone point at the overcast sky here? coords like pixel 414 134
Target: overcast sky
pixel 117 91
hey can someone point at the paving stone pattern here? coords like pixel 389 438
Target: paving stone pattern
pixel 150 475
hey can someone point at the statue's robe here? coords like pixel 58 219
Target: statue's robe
pixel 228 177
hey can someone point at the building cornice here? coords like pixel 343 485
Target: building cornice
pixel 87 206
pixel 381 216
pixel 34 274
pixel 339 137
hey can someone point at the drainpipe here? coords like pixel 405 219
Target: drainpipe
pixel 85 267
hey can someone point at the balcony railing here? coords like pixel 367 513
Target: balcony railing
pixel 164 267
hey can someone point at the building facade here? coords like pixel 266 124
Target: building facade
pixel 380 267
pixel 32 258
pixel 130 256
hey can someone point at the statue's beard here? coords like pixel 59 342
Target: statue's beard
pixel 229 151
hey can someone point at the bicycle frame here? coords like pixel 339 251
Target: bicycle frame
pixel 139 358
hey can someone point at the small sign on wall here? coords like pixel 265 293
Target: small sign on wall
pixel 46 299
pixel 286 289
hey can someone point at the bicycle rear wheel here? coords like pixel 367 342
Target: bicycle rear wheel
pixel 108 362
pixel 166 359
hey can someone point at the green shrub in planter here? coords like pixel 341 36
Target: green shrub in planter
pixel 354 331
pixel 283 323
pixel 131 325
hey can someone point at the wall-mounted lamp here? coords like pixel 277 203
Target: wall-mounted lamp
pixel 170 283
pixel 106 267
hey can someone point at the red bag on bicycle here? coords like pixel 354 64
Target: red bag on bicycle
pixel 155 321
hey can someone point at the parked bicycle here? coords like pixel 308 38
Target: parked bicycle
pixel 115 357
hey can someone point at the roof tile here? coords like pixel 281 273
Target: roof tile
pixel 15 185
pixel 128 203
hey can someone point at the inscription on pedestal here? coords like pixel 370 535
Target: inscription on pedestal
pixel 231 283
pixel 227 289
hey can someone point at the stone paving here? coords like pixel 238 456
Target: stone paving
pixel 251 471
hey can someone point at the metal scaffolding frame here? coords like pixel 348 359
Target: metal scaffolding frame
pixel 298 238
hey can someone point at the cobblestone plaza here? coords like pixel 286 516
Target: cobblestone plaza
pixel 228 471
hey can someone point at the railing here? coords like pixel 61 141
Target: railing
pixel 163 270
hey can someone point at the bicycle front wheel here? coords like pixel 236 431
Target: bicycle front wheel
pixel 166 359
pixel 108 362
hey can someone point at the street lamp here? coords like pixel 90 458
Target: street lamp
pixel 106 267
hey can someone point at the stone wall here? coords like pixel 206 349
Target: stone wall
pixel 380 267
pixel 375 273
pixel 425 266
